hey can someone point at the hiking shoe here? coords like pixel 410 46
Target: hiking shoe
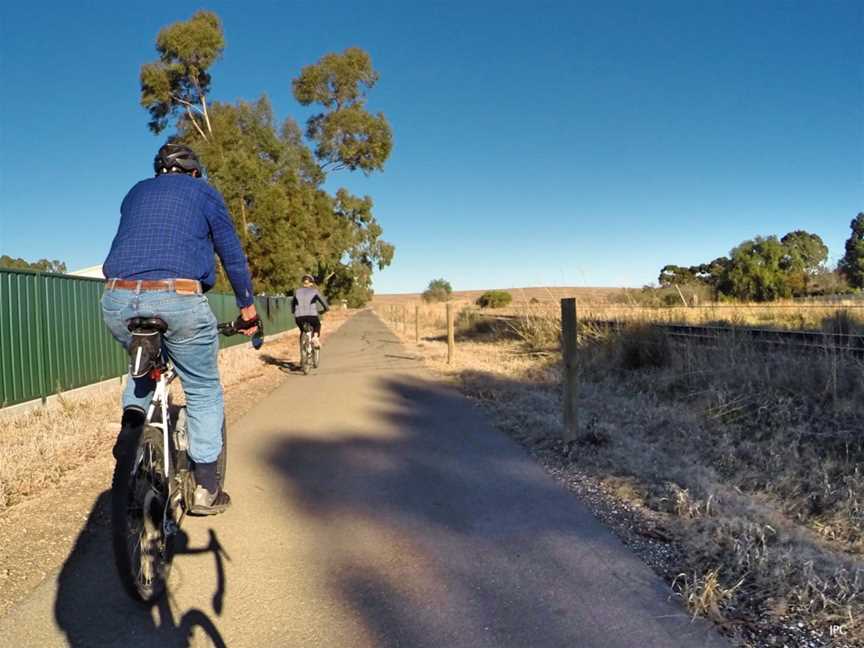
pixel 205 502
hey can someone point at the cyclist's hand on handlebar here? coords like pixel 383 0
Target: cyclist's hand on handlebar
pixel 247 323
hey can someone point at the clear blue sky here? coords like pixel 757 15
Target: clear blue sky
pixel 544 143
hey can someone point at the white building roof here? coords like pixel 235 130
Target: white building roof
pixel 92 271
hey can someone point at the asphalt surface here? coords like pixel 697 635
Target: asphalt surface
pixel 372 507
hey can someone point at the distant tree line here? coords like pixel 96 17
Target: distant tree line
pixel 768 268
pixel 42 265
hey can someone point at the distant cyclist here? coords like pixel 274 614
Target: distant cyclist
pixel 160 265
pixel 305 308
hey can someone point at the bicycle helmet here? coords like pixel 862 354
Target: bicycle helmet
pixel 309 278
pixel 177 158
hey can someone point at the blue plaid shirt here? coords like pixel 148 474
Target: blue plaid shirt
pixel 170 226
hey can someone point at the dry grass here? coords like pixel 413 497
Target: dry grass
pixel 753 461
pixel 704 594
pixel 624 305
pixel 843 317
pixel 38 447
pixel 549 294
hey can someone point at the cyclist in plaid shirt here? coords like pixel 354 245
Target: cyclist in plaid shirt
pixel 160 265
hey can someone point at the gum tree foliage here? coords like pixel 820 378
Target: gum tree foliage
pixel 761 269
pixel 346 136
pixel 672 275
pixel 755 271
pixel 805 252
pixel 852 263
pixel 708 274
pixel 804 257
pixel 179 81
pixel 271 178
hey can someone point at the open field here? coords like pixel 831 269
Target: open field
pixel 543 294
pixel 836 317
pixel 736 474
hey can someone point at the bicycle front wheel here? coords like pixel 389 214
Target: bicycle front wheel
pixel 139 495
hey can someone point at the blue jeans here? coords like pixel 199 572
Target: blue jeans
pixel 192 343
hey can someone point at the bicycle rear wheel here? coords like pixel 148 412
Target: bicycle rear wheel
pixel 139 495
pixel 305 358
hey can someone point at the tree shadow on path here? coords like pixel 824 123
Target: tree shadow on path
pixel 93 609
pixel 440 531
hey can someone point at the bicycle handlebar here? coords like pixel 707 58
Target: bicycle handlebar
pixel 232 328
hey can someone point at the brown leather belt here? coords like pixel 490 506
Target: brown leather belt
pixel 180 286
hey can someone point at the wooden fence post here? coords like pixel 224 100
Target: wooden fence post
pixel 451 335
pixel 568 349
pixel 404 319
pixel 417 324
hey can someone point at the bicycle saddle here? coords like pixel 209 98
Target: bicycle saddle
pixel 145 347
pixel 146 324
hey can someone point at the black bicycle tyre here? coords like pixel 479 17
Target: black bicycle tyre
pixel 126 493
pixel 304 353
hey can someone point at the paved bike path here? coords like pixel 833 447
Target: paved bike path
pixel 373 507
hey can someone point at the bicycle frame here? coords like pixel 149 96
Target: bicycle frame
pixel 160 399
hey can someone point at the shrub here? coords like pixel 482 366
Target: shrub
pixel 642 347
pixel 431 295
pixel 494 299
pixel 438 291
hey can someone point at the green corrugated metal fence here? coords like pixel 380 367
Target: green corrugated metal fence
pixel 52 337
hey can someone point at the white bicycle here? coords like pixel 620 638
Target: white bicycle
pixel 310 355
pixel 154 481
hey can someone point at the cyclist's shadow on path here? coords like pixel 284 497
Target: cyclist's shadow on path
pixel 287 366
pixel 92 608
